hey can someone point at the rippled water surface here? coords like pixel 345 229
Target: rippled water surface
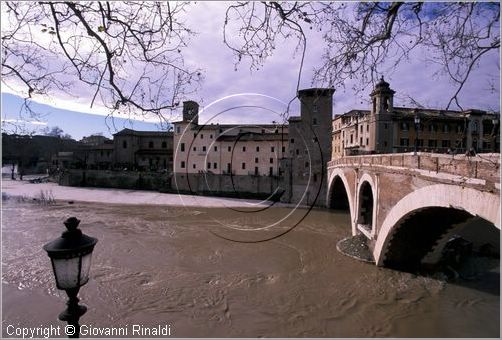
pixel 165 265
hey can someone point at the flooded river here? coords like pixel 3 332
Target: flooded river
pixel 168 266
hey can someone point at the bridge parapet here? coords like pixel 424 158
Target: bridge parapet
pixel 478 170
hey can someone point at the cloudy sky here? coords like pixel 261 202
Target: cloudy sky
pixel 265 92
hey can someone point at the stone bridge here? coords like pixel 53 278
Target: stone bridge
pixel 408 205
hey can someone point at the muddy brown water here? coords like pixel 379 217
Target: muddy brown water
pixel 165 266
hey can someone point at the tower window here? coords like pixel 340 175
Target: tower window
pixel 243 149
pixel 164 145
pixel 182 164
pixel 203 149
pixel 229 148
pixel 124 144
pixel 182 147
pixel 314 121
pixel 256 160
pixel 150 145
pixel 243 166
pixel 272 149
pixel 257 149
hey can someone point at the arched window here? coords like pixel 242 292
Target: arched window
pixel 386 103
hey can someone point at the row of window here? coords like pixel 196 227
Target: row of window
pixel 229 149
pixel 178 130
pixel 446 128
pixel 215 166
pixel 431 143
pixel 150 144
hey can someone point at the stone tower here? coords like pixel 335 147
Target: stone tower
pixel 191 112
pixel 310 148
pixel 381 129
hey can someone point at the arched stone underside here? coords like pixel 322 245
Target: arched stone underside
pixel 474 202
pixel 340 174
pixel 339 199
pixel 366 205
pixel 417 234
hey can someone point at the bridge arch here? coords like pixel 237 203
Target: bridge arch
pixel 365 216
pixel 337 182
pixel 474 202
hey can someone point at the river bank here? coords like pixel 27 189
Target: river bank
pixel 122 196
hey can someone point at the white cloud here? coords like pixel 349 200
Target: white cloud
pixel 21 121
pixel 278 77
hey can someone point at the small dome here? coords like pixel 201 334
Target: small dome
pixel 382 83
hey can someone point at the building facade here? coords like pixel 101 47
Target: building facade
pixel 227 159
pixel 389 129
pixel 143 150
pixel 309 148
pixel 287 160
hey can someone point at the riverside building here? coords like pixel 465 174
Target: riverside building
pixel 389 129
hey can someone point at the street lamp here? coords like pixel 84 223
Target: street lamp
pixel 71 255
pixel 417 127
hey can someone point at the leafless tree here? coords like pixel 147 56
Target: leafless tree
pixel 129 56
pixel 366 38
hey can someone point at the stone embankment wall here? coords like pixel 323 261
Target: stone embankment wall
pixel 116 179
pixel 241 186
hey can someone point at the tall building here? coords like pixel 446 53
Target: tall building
pixel 309 148
pixel 389 129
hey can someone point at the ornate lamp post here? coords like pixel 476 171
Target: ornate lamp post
pixel 71 255
pixel 417 127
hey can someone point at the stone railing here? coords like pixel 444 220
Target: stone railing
pixel 482 166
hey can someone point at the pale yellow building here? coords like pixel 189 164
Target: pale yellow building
pixel 389 129
pixel 223 149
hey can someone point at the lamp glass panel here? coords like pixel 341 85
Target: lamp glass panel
pixel 66 271
pixel 86 266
